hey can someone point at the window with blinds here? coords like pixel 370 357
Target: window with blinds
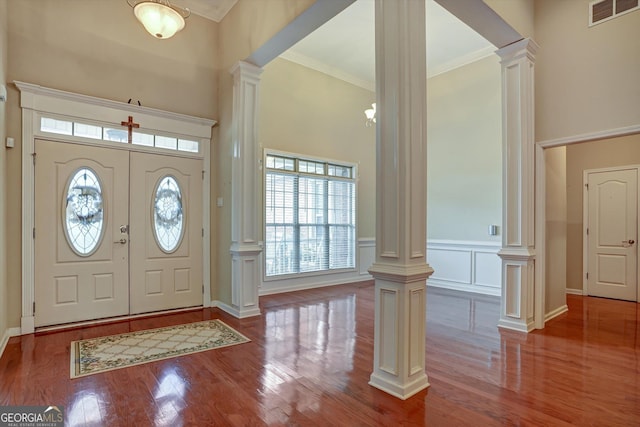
pixel 310 216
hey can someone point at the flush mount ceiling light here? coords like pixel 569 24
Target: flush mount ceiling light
pixel 161 19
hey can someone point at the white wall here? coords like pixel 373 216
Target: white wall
pixel 464 152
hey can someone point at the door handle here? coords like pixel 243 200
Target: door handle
pixel 628 243
pixel 122 241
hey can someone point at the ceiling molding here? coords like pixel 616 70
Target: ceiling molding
pixel 461 61
pixel 316 65
pixel 326 69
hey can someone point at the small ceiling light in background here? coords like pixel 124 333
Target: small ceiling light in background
pixel 371 114
pixel 161 19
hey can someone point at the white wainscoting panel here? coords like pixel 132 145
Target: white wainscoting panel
pixel 367 254
pixel 465 265
pixel 462 265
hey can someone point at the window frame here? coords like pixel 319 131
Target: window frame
pixel 297 158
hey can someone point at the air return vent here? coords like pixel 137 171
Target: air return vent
pixel 604 10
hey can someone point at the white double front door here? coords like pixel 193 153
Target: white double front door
pixel 117 232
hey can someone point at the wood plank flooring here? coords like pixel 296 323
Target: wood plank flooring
pixel 310 358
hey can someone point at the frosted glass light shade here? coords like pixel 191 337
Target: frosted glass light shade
pixel 160 20
pixel 371 114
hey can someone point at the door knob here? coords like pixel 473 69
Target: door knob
pixel 631 242
pixel 121 241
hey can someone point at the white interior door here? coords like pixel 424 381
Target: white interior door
pixel 166 232
pixel 612 234
pixel 80 273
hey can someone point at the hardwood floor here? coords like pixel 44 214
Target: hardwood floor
pixel 310 358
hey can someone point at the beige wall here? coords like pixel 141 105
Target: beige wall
pixel 98 48
pixel 464 152
pixel 3 179
pixel 556 227
pixel 246 27
pixel 518 13
pixel 307 112
pixel 620 151
pixel 586 78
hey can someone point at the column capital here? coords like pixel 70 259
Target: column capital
pixel 245 249
pixel 525 47
pixel 517 254
pixel 245 70
pixel 401 273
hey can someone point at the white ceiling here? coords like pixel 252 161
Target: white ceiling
pixel 210 9
pixel 344 46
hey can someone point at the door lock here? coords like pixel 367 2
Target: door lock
pixel 124 229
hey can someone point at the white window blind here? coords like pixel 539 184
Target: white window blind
pixel 310 217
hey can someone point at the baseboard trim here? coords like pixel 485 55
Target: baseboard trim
pixel 10 332
pixel 572 291
pixel 555 313
pixel 234 311
pixel 484 290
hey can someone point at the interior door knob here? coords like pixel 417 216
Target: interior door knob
pixel 631 242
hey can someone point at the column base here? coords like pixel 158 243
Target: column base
pixel 517 307
pixel 399 342
pixel 516 325
pixel 235 311
pixel 398 389
pixel 245 280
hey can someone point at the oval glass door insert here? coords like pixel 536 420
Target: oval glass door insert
pixel 168 214
pixel 84 212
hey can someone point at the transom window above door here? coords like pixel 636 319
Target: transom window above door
pixel 111 133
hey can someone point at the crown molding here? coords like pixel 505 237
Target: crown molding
pixel 314 64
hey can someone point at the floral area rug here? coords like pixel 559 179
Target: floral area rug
pixel 102 354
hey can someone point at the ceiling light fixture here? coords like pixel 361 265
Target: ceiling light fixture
pixel 371 115
pixel 161 19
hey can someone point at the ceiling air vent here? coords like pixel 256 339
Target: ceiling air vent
pixel 604 10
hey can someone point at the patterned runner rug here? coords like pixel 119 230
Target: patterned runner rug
pixel 102 354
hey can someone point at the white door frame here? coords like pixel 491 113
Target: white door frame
pixel 541 194
pixel 585 223
pixel 36 101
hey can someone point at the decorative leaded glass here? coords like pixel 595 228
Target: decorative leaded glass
pixel 168 222
pixel 84 212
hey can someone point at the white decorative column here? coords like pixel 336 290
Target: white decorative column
pixel 245 227
pixel 400 269
pixel 518 188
